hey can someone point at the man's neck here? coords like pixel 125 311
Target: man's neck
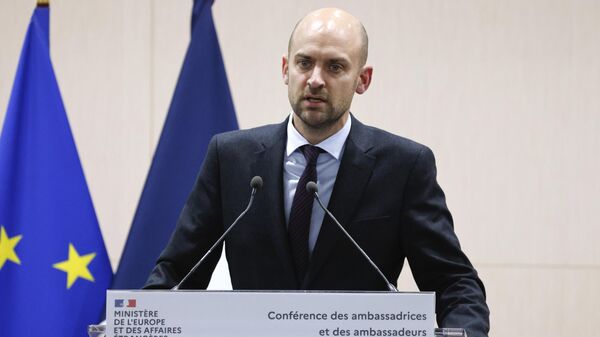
pixel 317 135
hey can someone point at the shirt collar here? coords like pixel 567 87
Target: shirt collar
pixel 333 145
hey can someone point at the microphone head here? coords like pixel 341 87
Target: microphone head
pixel 256 182
pixel 311 187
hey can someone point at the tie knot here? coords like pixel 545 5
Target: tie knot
pixel 311 153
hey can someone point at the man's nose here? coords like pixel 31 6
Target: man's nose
pixel 315 81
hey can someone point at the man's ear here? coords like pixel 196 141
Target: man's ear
pixel 364 79
pixel 284 69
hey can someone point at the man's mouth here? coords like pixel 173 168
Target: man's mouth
pixel 314 99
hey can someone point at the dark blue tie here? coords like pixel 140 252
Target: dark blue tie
pixel 299 224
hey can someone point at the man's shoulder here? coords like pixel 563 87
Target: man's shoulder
pixel 374 139
pixel 397 153
pixel 251 138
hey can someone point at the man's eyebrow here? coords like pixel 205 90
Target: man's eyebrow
pixel 342 60
pixel 303 56
pixel 339 60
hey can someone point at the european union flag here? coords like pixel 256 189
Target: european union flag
pixel 54 269
pixel 201 107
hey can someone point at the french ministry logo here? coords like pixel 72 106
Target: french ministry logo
pixel 130 303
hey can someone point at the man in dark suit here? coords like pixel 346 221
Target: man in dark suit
pixel 382 188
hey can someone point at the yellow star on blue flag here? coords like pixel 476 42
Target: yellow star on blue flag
pixel 7 248
pixel 76 266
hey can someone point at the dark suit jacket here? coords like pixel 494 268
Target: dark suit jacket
pixel 386 196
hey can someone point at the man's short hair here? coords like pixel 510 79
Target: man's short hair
pixel 364 48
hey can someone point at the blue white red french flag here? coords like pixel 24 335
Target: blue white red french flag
pixel 120 303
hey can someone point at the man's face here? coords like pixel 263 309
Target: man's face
pixel 323 71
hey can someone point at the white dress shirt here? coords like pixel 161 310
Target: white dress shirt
pixel 328 165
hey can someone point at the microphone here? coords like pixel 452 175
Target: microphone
pixel 311 187
pixel 256 183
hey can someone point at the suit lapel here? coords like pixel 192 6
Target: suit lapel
pixel 353 175
pixel 269 165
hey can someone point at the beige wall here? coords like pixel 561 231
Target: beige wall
pixel 506 93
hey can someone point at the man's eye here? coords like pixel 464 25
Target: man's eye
pixel 304 64
pixel 336 68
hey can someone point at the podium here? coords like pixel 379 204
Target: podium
pixel 191 313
